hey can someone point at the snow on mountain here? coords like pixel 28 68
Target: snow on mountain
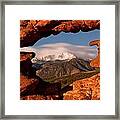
pixel 61 51
pixel 58 56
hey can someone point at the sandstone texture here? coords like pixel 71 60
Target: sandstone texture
pixel 26 55
pixel 35 89
pixel 27 85
pixel 96 62
pixel 86 89
pixel 33 30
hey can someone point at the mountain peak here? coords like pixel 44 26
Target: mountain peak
pixel 56 56
pixel 62 51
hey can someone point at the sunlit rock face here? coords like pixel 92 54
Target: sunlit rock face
pixel 32 30
pixel 85 89
pixel 25 55
pixel 96 62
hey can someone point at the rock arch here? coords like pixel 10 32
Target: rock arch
pixel 33 30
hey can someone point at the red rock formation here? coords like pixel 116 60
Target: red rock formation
pixel 30 32
pixel 96 62
pixel 33 30
pixel 26 64
pixel 39 97
pixel 33 97
pixel 27 85
pixel 26 55
pixel 35 89
pixel 86 89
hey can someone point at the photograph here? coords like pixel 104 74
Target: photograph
pixel 60 55
pixel 59 59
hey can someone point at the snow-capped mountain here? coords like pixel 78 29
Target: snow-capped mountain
pixel 56 56
pixel 61 51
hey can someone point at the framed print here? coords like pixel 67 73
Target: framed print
pixel 60 60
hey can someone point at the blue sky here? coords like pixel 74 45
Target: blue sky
pixel 74 43
pixel 80 38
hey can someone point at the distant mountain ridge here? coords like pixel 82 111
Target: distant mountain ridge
pixel 59 68
pixel 65 72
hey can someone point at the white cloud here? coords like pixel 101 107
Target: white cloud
pixel 83 52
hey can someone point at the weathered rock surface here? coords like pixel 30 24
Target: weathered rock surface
pixel 86 89
pixel 36 89
pixel 40 97
pixel 26 64
pixel 33 97
pixel 25 55
pixel 27 85
pixel 96 62
pixel 32 30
